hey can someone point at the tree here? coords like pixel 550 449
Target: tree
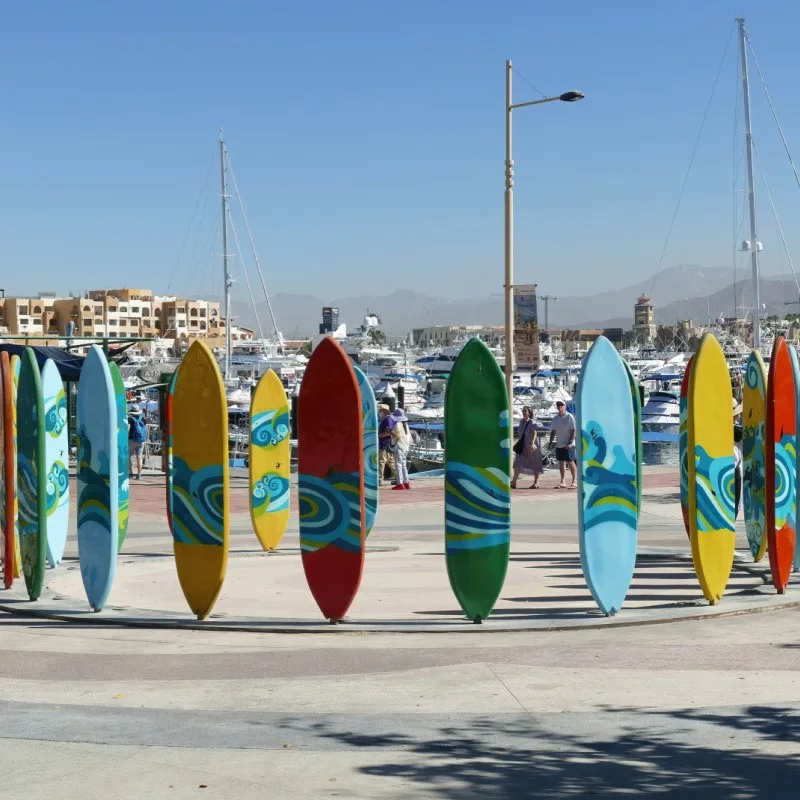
pixel 377 337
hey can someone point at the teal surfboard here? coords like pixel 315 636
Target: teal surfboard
pixel 98 483
pixel 369 414
pixel 608 473
pixel 121 401
pixel 56 451
pixel 31 475
pixel 477 480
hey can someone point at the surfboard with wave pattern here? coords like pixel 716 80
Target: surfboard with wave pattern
pixel 754 468
pixel 123 464
pixel 369 419
pixel 477 482
pixel 608 476
pixel 711 468
pixel 781 456
pixel 98 482
pixel 15 367
pixel 331 479
pixel 200 486
pixel 56 461
pixel 269 460
pixel 31 474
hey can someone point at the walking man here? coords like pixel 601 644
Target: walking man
pixel 137 436
pixel 563 432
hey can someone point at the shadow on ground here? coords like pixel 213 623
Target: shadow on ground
pixel 689 754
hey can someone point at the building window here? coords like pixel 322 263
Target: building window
pixel 194 323
pixel 202 325
pixel 87 322
pixel 192 312
pixel 202 312
pixel 123 309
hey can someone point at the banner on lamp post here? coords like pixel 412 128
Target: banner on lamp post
pixel 526 327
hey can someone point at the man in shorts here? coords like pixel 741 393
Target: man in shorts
pixel 563 432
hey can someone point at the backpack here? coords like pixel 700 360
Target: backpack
pixel 138 430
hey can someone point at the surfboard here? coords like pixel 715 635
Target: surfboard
pixel 32 475
pixel 8 469
pixel 98 481
pixel 607 476
pixel 123 464
pixel 369 422
pixel 637 429
pixel 754 474
pixel 711 468
pixel 15 367
pixel 331 479
pixel 56 464
pixel 269 460
pixel 477 483
pixel 796 375
pixel 683 446
pixel 200 486
pixel 168 441
pixel 781 452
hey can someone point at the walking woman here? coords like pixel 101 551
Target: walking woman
pixel 401 441
pixel 528 457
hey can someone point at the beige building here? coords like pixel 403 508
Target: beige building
pixel 116 313
pixel 644 319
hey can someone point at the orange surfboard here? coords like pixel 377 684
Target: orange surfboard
pixel 9 468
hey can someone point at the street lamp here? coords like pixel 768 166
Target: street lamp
pixel 566 97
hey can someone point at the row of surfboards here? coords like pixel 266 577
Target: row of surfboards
pixel 338 472
pixel 770 461
pixel 34 475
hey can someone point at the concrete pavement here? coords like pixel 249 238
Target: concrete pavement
pixel 700 708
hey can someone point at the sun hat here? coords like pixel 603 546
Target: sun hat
pixel 398 415
pixel 384 407
pixel 134 410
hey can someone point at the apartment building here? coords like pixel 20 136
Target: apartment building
pixel 116 313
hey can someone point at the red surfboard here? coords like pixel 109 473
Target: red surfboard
pixel 781 436
pixel 9 466
pixel 331 479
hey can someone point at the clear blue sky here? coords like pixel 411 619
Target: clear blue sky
pixel 368 140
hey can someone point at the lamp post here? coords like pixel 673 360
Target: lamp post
pixel 567 97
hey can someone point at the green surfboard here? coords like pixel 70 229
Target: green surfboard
pixel 477 480
pixel 32 480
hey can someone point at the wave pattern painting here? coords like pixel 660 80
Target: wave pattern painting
pixel 270 428
pixel 270 493
pixel 478 507
pixel 609 480
pixel 330 511
pixel 57 487
pixel 198 503
pixel 716 493
pixel 785 466
pixel 55 415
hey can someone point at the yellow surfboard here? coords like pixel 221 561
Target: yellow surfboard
pixel 200 486
pixel 711 469
pixel 269 460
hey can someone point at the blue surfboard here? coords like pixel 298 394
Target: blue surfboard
pixel 796 499
pixel 607 476
pixel 369 413
pixel 98 479
pixel 56 452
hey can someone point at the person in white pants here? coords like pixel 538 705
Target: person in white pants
pixel 401 441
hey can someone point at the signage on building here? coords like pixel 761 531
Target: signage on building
pixel 526 327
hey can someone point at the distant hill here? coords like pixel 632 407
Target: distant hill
pixel 685 291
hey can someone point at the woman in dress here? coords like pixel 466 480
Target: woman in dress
pixel 529 461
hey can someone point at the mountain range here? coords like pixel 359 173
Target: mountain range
pixel 684 291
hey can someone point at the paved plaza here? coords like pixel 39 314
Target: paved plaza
pixel 406 700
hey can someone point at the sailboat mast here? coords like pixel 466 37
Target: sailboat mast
pixel 753 244
pixel 227 277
